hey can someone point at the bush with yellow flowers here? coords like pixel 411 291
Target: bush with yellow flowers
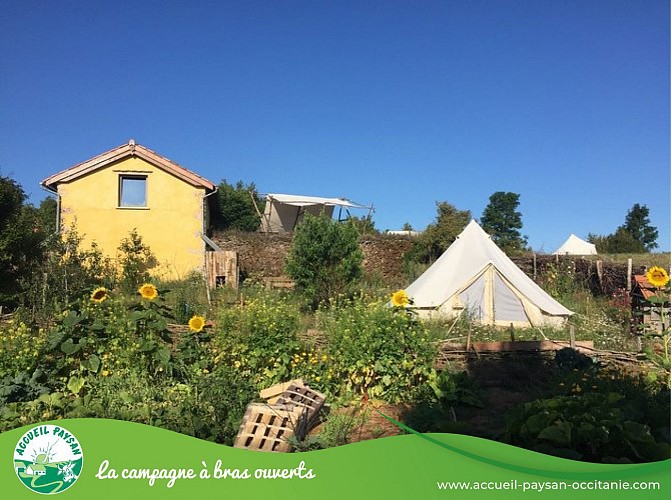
pixel 258 339
pixel 377 351
pixel 20 347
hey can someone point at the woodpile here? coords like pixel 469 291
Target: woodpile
pixel 601 278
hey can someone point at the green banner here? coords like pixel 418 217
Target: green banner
pixel 96 458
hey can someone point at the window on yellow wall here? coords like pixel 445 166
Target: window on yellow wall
pixel 132 191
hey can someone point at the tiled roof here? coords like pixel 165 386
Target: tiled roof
pixel 119 153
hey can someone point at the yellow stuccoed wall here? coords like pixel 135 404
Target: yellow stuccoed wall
pixel 171 223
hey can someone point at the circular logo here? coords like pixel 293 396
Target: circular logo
pixel 48 459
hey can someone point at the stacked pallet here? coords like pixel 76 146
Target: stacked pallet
pixel 291 409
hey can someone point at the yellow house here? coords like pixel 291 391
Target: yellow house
pixel 132 187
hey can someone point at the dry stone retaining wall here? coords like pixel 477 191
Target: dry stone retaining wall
pixel 262 256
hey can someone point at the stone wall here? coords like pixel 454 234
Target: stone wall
pixel 262 255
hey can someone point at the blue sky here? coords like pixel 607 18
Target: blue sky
pixel 399 104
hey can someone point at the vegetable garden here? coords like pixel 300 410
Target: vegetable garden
pixel 94 341
pixel 122 355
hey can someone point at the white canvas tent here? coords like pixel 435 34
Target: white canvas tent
pixel 476 276
pixel 575 246
pixel 283 212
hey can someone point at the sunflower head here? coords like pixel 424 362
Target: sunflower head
pixel 196 324
pixel 99 295
pixel 657 276
pixel 148 291
pixel 400 299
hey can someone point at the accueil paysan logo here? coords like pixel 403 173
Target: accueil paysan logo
pixel 48 459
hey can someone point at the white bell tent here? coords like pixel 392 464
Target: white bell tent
pixel 576 246
pixel 476 276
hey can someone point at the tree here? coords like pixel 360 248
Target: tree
pixel 46 214
pixel 599 241
pixel 503 222
pixel 636 235
pixel 621 241
pixel 324 258
pixel 20 240
pixel 233 207
pixel 637 223
pixel 407 227
pixel 440 234
pixel 365 224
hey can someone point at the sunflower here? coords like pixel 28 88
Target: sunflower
pixel 196 324
pixel 148 291
pixel 400 299
pixel 99 295
pixel 657 276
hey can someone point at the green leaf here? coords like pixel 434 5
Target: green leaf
pixel 635 431
pixel 45 398
pixel 157 325
pixel 162 355
pixel 656 299
pixel 75 384
pixel 71 319
pixel 137 315
pixel 559 434
pixel 97 325
pixel 92 364
pixel 147 345
pixel 68 347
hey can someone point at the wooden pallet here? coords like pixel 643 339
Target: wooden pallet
pixel 271 394
pixel 305 397
pixel 268 427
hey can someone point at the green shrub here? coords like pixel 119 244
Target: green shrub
pixel 434 406
pixel 67 270
pixel 595 413
pixel 324 259
pixel 258 339
pixel 339 427
pixel 20 347
pixel 136 260
pixel 594 427
pixel 376 351
pixel 187 297
pixel 210 408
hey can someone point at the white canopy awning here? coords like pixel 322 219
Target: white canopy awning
pixel 284 211
pixel 304 201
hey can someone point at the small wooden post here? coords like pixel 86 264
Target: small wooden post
pixel 571 332
pixel 535 272
pixel 468 339
pixel 629 267
pixel 599 273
